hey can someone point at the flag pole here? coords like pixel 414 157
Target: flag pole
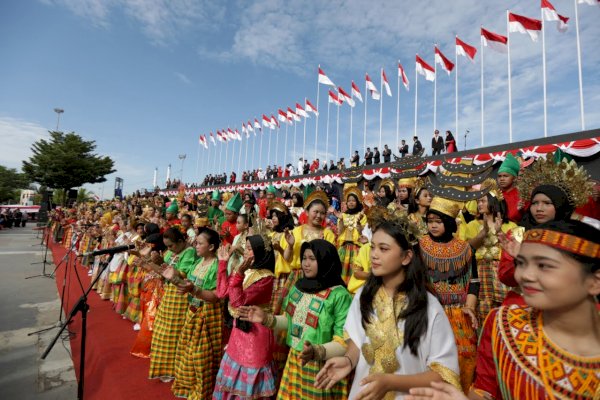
pixel 337 135
pixel 304 138
pixel 455 88
pixel 579 67
pixel 317 118
pixel 510 132
pixel 226 154
pixel 398 108
pixel 286 144
pixel 327 134
pixel 239 170
pixel 246 156
pixel 207 161
pixel 221 155
pixel 197 159
pixel 260 164
pixel 269 149
pixel 434 91
pixel 233 154
pixel 416 98
pixel 365 122
pixel 253 147
pixel 351 109
pixel 277 144
pixel 482 104
pixel 295 139
pixel 544 72
pixel 380 105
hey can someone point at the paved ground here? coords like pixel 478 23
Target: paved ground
pixel 27 305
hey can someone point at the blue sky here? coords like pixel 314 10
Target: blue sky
pixel 144 78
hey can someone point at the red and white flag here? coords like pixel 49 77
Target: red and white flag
pixel 249 127
pixel 494 41
pixel 403 77
pixel 385 83
pixel 212 138
pixel 311 108
pixel 274 122
pixel 463 49
pixel 550 14
pixel 519 23
pixel 425 69
pixel 292 115
pixel 237 135
pixel 266 121
pixel 371 88
pixel 282 116
pixel 356 92
pixel 324 79
pixel 333 98
pixel 231 134
pixel 441 59
pixel 220 137
pixel 300 111
pixel 202 141
pixel 257 125
pixel 346 97
pixel 244 130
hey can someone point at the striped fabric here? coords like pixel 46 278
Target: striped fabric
pixel 199 352
pixel 347 254
pixel 237 381
pixel 491 291
pixel 278 290
pixel 299 382
pixel 167 328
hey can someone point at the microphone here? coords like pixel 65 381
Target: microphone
pixel 111 250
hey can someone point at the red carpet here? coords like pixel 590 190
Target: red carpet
pixel 110 371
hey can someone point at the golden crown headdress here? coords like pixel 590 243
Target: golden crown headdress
pixel 573 180
pixel 355 191
pixel 279 206
pixel 259 227
pixel 447 207
pixel 389 183
pixel 400 218
pixel 407 182
pixel 492 187
pixel 317 195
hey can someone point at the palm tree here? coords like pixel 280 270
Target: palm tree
pixel 84 195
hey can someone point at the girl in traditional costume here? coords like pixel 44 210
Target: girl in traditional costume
pixel 281 220
pixel 178 260
pixel 418 206
pixel 398 335
pixel 404 189
pixel 317 205
pixel 315 312
pixel 550 348
pixel 350 226
pixel 385 193
pixel 247 369
pixel 482 233
pixel 199 347
pixel 452 272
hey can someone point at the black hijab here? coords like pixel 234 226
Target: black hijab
pixel 449 227
pixel 329 272
pixel 358 207
pixel 560 200
pixel 263 259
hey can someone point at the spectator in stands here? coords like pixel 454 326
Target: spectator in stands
pixel 368 156
pixel 403 148
pixel 437 143
pixel 417 146
pixel 387 154
pixel 377 156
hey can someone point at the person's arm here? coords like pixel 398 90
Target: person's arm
pixel 252 295
pixel 222 280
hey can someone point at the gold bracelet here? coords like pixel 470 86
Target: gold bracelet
pixel 319 352
pixel 269 321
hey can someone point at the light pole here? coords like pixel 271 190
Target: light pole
pixel 58 111
pixel 182 158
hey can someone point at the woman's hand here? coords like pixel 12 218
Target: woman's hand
pixel 252 314
pixel 308 353
pixel 223 253
pixel 470 312
pixel 156 258
pixel 185 286
pixel 376 386
pixel 334 370
pixel 289 238
pixel 437 391
pixel 509 244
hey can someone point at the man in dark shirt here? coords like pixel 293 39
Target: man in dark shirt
pixel 387 154
pixel 437 143
pixel 368 156
pixel 355 160
pixel 403 148
pixel 332 165
pixel 306 167
pixel 417 146
pixel 377 156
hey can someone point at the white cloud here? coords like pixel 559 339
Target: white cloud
pixel 18 136
pixel 183 78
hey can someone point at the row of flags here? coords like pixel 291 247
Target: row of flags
pixel 338 95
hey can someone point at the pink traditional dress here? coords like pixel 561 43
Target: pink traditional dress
pixel 247 369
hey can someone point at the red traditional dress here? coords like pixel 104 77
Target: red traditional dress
pixel 228 232
pixel 516 360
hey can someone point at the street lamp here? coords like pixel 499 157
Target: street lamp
pixel 58 111
pixel 182 158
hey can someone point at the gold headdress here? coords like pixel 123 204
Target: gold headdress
pixel 317 195
pixel 259 227
pixel 445 206
pixel 279 206
pixel 407 182
pixel 389 183
pixel 378 215
pixel 420 183
pixel 566 175
pixel 355 191
pixel 492 187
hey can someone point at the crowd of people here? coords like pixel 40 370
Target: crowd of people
pixel 439 145
pixel 13 217
pixel 364 291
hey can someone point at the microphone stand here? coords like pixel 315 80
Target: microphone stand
pixel 46 236
pixel 83 307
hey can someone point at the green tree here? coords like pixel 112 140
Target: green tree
pixel 84 195
pixel 11 183
pixel 66 161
